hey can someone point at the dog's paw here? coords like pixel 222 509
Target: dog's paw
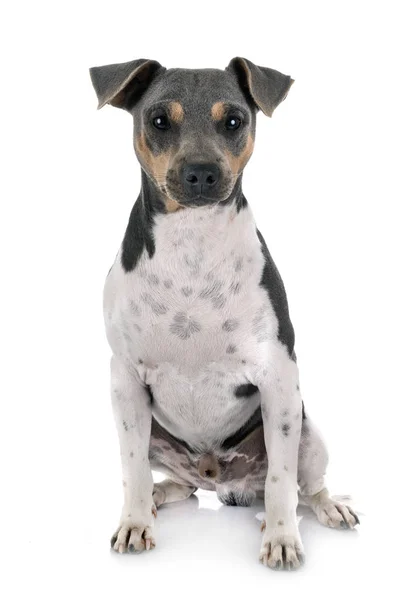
pixel 336 515
pixel 281 551
pixel 135 533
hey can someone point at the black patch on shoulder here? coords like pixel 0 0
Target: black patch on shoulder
pixel 239 435
pixel 272 282
pixel 138 234
pixel 246 390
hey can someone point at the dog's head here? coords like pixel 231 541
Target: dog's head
pixel 194 129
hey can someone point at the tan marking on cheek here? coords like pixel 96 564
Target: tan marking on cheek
pixel 176 111
pixel 142 149
pixel 157 165
pixel 238 163
pixel 218 111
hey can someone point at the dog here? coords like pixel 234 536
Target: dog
pixel 204 378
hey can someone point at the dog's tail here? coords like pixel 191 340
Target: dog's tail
pixel 208 467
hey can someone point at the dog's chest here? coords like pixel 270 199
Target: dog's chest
pixel 192 319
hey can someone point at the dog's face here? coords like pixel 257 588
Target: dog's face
pixel 194 133
pixel 194 129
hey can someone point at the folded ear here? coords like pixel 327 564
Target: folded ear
pixel 121 85
pixel 266 87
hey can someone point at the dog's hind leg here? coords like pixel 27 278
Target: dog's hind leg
pixel 313 460
pixel 170 491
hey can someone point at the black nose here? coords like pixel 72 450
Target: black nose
pixel 198 179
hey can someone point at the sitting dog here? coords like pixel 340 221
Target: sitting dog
pixel 204 380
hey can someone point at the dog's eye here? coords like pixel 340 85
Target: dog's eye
pixel 232 122
pixel 161 122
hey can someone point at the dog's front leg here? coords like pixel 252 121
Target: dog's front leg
pixel 132 411
pixel 281 410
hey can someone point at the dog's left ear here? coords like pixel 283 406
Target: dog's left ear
pixel 266 87
pixel 122 84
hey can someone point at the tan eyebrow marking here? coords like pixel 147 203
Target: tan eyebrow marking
pixel 218 111
pixel 176 111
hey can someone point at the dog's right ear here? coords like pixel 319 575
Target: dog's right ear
pixel 122 84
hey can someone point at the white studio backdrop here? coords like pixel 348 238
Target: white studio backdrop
pixel 323 183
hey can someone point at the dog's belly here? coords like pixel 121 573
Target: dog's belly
pixel 202 407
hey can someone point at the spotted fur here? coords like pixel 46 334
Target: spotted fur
pixel 204 380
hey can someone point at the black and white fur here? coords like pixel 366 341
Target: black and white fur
pixel 204 379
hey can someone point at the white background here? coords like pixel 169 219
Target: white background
pixel 324 185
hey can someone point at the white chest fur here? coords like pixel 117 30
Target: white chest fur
pixel 191 320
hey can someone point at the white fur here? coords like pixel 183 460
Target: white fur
pixel 192 322
pixel 199 256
